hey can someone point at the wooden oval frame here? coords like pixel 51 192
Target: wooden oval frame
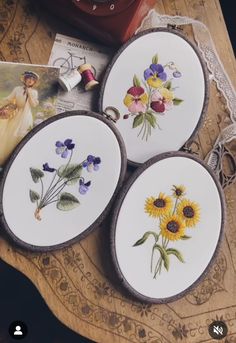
pixel 20 146
pixel 121 196
pixel 203 65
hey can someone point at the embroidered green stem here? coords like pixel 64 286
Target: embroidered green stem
pixel 153 249
pixel 42 190
pixel 176 201
pixel 51 188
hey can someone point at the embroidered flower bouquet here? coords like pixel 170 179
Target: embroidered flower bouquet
pixel 66 175
pixel 152 97
pixel 174 214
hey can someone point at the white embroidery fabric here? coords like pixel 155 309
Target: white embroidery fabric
pixel 211 57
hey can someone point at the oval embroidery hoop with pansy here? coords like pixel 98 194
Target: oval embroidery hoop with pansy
pixel 59 183
pixel 157 85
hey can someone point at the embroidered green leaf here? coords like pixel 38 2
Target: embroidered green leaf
pixel 164 256
pixel 155 59
pixel 145 237
pixel 36 174
pixel 167 84
pixel 72 173
pixel 138 120
pixel 67 202
pixel 136 81
pixel 34 196
pixel 177 101
pixel 176 253
pixel 185 237
pixel 73 180
pixel 151 119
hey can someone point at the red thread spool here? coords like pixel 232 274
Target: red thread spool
pixel 88 78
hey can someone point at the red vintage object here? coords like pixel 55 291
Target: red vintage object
pixel 111 21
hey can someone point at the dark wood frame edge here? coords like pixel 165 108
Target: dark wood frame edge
pixel 204 68
pixel 101 217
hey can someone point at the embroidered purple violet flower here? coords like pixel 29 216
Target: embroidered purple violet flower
pixel 92 163
pixel 47 168
pixel 96 163
pixel 63 148
pixel 155 75
pixel 84 187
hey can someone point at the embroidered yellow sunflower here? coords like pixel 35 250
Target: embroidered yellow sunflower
pixel 159 206
pixel 178 191
pixel 172 227
pixel 189 211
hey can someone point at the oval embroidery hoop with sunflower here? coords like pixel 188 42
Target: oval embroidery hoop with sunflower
pixel 175 214
pixel 156 98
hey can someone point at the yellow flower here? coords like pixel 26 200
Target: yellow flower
pixel 159 206
pixel 166 94
pixel 155 82
pixel 172 227
pixel 136 100
pixel 189 211
pixel 178 191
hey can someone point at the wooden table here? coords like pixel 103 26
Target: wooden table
pixel 76 282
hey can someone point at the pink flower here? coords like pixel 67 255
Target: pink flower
pixel 162 100
pixel 136 100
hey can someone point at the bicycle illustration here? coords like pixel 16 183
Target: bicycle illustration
pixel 67 64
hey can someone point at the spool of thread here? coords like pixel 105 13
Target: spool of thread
pixel 88 78
pixel 70 80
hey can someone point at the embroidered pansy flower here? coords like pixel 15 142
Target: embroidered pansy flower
pixel 84 187
pixel 155 75
pixel 92 163
pixel 136 99
pixel 63 148
pixel 162 100
pixel 47 168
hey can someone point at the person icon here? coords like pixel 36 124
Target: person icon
pixel 18 331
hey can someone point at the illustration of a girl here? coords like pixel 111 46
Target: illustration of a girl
pixel 14 129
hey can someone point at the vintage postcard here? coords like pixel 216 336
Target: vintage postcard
pixel 68 53
pixel 28 95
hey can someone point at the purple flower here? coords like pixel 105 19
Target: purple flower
pixel 84 187
pixel 47 168
pixel 92 163
pixel 155 71
pixel 177 74
pixel 63 148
